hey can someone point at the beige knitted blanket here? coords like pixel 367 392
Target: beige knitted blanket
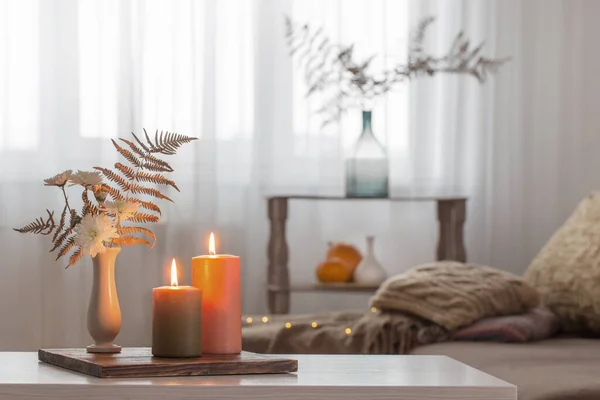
pixel 454 294
pixel 419 307
pixel 345 332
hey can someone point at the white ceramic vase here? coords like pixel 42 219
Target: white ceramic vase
pixel 370 271
pixel 104 313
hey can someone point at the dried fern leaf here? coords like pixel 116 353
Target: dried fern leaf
pixel 148 205
pixel 127 154
pixel 142 145
pixel 61 239
pixel 127 241
pixel 157 179
pixel 39 226
pixel 150 159
pixel 156 167
pixel 125 170
pixel 88 206
pixel 66 248
pixel 74 219
pixel 168 142
pixel 114 177
pixel 113 192
pixel 140 217
pixel 61 223
pixel 130 230
pixel 75 257
pixel 135 148
pixel 148 139
pixel 138 189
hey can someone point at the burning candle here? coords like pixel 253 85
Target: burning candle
pixel 176 319
pixel 218 276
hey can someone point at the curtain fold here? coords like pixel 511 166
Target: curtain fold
pixel 74 74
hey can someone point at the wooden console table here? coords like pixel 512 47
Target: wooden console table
pixel 451 213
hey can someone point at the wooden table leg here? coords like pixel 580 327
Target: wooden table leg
pixel 278 276
pixel 451 216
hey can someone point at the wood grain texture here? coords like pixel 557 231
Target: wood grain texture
pixel 138 362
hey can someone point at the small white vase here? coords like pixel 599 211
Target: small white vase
pixel 104 313
pixel 369 271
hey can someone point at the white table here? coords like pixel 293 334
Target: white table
pixel 323 377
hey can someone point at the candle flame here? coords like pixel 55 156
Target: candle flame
pixel 211 245
pixel 174 274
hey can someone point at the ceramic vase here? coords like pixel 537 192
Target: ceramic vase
pixel 370 271
pixel 367 168
pixel 104 313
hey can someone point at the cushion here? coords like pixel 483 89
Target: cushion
pixel 539 323
pixel 566 272
pixel 454 294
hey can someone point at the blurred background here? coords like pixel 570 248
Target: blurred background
pixel 73 74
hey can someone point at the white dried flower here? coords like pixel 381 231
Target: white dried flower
pixel 86 178
pixel 93 232
pixel 59 179
pixel 123 210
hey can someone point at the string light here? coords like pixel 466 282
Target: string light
pixel 265 319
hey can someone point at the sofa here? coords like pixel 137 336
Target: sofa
pixel 562 368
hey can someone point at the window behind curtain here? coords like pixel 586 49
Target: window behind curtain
pixel 169 65
pixel 19 74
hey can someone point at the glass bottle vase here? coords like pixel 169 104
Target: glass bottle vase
pixel 367 168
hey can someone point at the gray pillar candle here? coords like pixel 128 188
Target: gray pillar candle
pixel 176 320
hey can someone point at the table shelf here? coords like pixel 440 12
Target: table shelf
pixel 451 213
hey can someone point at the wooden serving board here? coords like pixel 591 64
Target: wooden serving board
pixel 138 362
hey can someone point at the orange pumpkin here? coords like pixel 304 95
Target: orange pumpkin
pixel 333 271
pixel 345 252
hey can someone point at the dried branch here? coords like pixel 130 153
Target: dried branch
pixel 333 71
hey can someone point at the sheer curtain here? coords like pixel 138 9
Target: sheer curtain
pixel 74 74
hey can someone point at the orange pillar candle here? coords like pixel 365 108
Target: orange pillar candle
pixel 176 319
pixel 218 277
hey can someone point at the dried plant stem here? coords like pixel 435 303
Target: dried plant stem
pixel 62 188
pixel 345 81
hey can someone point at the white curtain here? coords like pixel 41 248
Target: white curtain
pixel 74 74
